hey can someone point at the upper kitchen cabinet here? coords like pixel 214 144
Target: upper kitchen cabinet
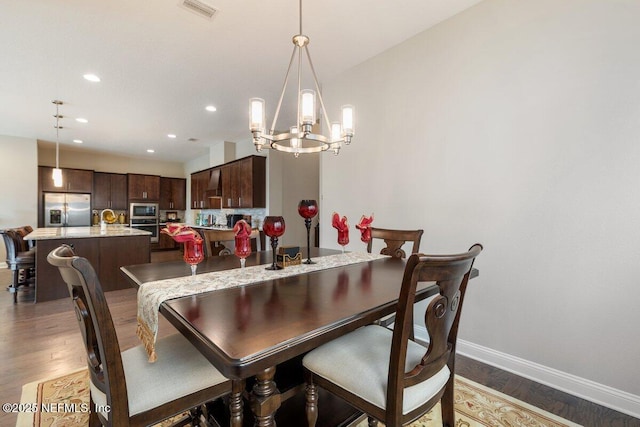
pixel 145 188
pixel 244 183
pixel 199 186
pixel 173 193
pixel 73 180
pixel 109 191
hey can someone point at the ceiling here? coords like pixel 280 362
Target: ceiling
pixel 160 64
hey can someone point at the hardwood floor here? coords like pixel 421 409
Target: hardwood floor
pixel 43 340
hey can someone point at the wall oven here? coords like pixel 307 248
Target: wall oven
pixel 145 216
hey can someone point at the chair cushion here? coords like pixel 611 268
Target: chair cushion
pixel 359 363
pixel 180 370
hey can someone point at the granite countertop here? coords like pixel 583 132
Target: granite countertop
pixel 51 233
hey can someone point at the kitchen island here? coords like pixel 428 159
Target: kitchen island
pixel 107 249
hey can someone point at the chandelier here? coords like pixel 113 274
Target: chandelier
pixel 301 137
pixel 57 172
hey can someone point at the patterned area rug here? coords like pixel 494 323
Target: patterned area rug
pixel 476 406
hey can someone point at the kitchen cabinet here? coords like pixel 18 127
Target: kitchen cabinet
pixel 173 193
pixel 145 188
pixel 244 183
pixel 73 180
pixel 199 187
pixel 109 191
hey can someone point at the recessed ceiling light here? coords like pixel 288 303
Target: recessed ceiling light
pixel 151 150
pixel 210 108
pixel 171 135
pixel 78 141
pixel 91 78
pixel 82 120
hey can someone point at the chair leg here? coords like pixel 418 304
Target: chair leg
pixel 447 406
pixel 94 420
pixel 15 282
pixel 311 408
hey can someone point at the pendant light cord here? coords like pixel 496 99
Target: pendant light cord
pixel 57 136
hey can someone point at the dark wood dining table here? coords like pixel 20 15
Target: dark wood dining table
pixel 248 331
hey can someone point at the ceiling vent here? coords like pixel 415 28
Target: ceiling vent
pixel 200 8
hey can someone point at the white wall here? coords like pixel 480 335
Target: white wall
pixel 82 158
pixel 514 124
pixel 19 189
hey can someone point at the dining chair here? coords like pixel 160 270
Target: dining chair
pixel 214 241
pixel 383 372
pixel 394 240
pixel 125 388
pixel 21 260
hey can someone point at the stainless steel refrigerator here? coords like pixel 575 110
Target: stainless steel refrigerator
pixel 67 210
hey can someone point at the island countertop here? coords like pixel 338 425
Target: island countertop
pixel 51 233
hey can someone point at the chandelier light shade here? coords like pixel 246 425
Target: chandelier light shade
pixel 57 172
pixel 301 137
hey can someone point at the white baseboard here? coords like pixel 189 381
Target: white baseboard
pixel 603 395
pixel 3 265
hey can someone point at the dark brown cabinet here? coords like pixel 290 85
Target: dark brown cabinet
pixel 143 187
pixel 244 183
pixel 109 191
pixel 199 186
pixel 173 193
pixel 73 180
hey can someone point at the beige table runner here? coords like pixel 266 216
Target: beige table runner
pixel 152 294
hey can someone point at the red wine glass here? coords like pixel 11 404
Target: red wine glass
pixel 243 248
pixel 273 226
pixel 193 254
pixel 307 210
pixel 343 238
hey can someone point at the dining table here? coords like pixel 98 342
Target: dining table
pixel 250 331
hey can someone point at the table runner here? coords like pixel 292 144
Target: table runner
pixel 152 294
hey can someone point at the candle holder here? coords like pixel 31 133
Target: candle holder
pixel 307 210
pixel 273 226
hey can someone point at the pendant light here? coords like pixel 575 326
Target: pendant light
pixel 57 172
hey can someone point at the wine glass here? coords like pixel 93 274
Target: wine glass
pixel 307 210
pixel 193 254
pixel 273 226
pixel 243 248
pixel 343 238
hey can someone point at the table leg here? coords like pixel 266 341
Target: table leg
pixel 235 403
pixel 265 399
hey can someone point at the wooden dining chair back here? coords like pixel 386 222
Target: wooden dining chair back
pixel 214 241
pixel 125 388
pixel 399 380
pixel 394 240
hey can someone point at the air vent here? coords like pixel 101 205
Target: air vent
pixel 200 8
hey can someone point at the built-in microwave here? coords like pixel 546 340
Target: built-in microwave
pixel 143 210
pixel 144 216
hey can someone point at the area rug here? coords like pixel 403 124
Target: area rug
pixel 475 405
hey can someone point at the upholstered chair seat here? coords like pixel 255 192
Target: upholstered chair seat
pixel 359 362
pixel 182 370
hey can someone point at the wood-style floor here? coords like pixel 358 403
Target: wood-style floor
pixel 42 340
